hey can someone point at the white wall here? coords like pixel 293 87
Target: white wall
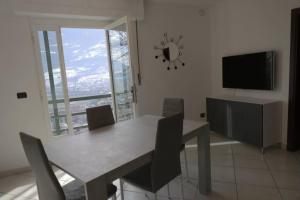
pixel 191 82
pixel 96 9
pixel 18 67
pixel 17 70
pixel 246 26
pixel 233 27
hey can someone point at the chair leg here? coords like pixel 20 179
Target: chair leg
pixel 186 165
pixel 122 189
pixel 182 189
pixel 169 193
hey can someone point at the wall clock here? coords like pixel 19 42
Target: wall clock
pixel 170 52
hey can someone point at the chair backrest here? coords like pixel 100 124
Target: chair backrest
pixel 173 106
pixel 98 117
pixel 47 183
pixel 166 158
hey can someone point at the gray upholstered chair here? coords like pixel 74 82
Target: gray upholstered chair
pixel 98 117
pixel 47 183
pixel 172 106
pixel 165 164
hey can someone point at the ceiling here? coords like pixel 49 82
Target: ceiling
pixel 188 2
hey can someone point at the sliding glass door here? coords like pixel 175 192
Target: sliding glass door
pixel 121 70
pixel 87 70
pixel 82 68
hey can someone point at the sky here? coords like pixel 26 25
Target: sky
pixel 86 61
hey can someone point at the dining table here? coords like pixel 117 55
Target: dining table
pixel 99 157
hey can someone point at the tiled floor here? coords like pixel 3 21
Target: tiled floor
pixel 239 171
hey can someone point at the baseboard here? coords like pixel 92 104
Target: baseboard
pixel 14 171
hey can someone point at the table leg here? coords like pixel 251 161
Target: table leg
pixel 96 190
pixel 204 160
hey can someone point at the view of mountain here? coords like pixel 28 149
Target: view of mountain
pixel 85 59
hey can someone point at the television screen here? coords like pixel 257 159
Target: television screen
pixel 250 71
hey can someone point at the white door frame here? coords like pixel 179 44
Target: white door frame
pixel 118 22
pixel 38 24
pixel 43 92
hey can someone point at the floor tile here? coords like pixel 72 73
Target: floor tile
pixel 222 160
pixel 278 152
pixel 258 177
pixel 26 195
pixel 131 188
pixel 246 150
pixel 63 177
pixel 230 161
pixel 287 180
pixel 189 189
pixel 297 155
pixel 220 191
pixel 215 138
pixel 117 184
pixel 192 170
pixel 191 154
pixel 290 194
pixel 141 196
pixel 250 192
pixel 285 163
pixel 252 163
pixel 223 174
pixel 221 149
pixel 16 184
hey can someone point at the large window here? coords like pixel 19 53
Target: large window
pixel 84 68
pixel 87 70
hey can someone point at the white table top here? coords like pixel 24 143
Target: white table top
pixel 99 153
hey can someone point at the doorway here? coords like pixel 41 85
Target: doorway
pixel 293 139
pixel 82 68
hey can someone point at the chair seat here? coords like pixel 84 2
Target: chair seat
pixel 75 190
pixel 140 177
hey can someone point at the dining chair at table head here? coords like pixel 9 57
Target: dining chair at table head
pixel 47 184
pixel 100 116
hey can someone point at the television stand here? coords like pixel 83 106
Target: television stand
pixel 248 120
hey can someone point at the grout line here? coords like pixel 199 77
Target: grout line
pixel 234 170
pixel 280 194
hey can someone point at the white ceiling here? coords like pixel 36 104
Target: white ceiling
pixel 188 2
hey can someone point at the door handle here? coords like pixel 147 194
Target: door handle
pixel 133 93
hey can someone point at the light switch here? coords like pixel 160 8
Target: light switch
pixel 21 95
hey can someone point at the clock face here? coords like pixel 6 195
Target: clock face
pixel 170 52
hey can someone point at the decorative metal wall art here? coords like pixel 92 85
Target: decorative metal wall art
pixel 171 51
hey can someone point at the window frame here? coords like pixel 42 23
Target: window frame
pixel 40 24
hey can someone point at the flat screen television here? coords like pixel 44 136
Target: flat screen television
pixel 249 71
